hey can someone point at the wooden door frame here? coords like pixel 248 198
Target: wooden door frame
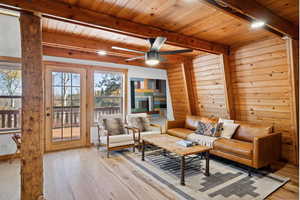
pixel 60 145
pixel 90 69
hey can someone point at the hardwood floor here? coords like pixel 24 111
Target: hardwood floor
pixel 87 174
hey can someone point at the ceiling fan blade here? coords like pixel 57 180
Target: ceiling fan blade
pixel 125 49
pixel 175 51
pixel 158 43
pixel 135 58
pixel 162 59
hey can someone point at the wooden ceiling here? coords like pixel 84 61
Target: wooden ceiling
pixel 288 9
pixel 115 39
pixel 196 19
pixel 190 17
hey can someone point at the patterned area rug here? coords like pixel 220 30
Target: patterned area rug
pixel 226 181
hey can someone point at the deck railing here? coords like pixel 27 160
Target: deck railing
pixel 10 119
pixel 70 115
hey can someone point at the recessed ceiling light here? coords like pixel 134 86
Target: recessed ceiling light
pixel 101 52
pixel 257 24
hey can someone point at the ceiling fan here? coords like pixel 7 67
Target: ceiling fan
pixel 153 56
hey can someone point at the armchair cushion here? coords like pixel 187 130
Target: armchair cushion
pixel 114 126
pixel 137 122
pixel 235 147
pixel 117 138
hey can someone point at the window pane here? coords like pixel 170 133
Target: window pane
pixel 10 82
pixel 57 78
pixel 10 101
pixel 108 97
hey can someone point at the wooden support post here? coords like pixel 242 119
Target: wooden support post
pixel 32 107
pixel 293 61
pixel 187 70
pixel 225 68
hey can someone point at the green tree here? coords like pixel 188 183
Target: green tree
pixel 10 81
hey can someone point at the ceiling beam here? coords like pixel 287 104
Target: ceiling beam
pixel 76 54
pixel 107 22
pixel 68 41
pixel 252 11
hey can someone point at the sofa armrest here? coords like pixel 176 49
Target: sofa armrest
pixel 266 149
pixel 175 124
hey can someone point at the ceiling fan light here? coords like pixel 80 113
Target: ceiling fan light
pixel 152 62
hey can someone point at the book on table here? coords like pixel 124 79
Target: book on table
pixel 185 143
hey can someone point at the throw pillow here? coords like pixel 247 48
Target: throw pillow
pixel 218 129
pixel 210 129
pixel 201 128
pixel 138 122
pixel 114 126
pixel 227 121
pixel 228 130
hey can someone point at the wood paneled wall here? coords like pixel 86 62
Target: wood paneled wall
pixel 262 89
pixel 208 85
pixel 178 91
pixel 260 86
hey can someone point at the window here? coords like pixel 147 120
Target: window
pixel 108 95
pixel 10 98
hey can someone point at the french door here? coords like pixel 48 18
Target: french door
pixel 65 102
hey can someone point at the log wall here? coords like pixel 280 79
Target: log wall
pixel 262 89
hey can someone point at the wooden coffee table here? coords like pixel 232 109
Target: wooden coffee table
pixel 168 143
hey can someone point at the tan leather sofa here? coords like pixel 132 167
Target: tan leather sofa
pixel 252 144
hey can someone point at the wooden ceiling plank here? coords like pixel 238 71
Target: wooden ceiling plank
pixel 256 11
pixel 67 53
pixel 101 20
pixel 89 45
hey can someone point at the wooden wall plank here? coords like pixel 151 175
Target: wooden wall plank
pixel 32 107
pixel 293 61
pixel 262 89
pixel 178 91
pixel 187 67
pixel 225 70
pixel 208 83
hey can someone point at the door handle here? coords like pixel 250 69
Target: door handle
pixel 48 114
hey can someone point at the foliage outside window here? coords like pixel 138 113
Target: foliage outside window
pixel 108 94
pixel 10 98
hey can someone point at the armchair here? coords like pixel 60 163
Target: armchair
pixel 140 122
pixel 114 135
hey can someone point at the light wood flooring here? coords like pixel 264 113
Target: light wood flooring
pixel 86 174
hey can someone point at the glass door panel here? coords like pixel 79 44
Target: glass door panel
pixel 65 108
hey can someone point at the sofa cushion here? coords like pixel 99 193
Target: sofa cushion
pixel 180 132
pixel 235 147
pixel 191 121
pixel 246 131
